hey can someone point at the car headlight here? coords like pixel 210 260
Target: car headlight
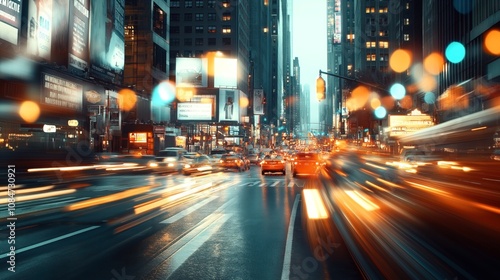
pixel 153 164
pixel 187 166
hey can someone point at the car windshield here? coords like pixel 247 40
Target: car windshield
pixel 168 153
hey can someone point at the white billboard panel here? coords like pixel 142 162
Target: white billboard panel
pixel 191 72
pixel 258 102
pixel 229 109
pixel 225 72
pixel 191 111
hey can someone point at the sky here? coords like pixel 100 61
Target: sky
pixel 309 43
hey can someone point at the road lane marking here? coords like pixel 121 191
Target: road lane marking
pixel 4 255
pixel 275 184
pixel 290 185
pixel 285 273
pixel 262 185
pixel 187 211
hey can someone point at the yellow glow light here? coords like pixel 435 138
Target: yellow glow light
pixel 314 204
pixel 29 111
pixel 400 60
pixel 362 201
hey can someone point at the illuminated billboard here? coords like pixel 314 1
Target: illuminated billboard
pixel 400 125
pixel 194 111
pixel 10 20
pixel 107 48
pixel 78 53
pixel 258 102
pixel 225 72
pixel 191 72
pixel 40 28
pixel 229 108
pixel 337 28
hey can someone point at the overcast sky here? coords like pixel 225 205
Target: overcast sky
pixel 309 43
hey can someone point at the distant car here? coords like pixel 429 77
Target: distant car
pixel 495 155
pixel 418 155
pixel 232 161
pixel 254 159
pixel 200 164
pixel 273 163
pixel 306 164
pixel 169 160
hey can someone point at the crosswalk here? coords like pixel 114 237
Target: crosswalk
pixel 272 184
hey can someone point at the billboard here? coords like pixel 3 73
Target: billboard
pixel 258 102
pixel 107 51
pixel 78 53
pixel 337 28
pixel 194 111
pixel 229 109
pixel 40 28
pixel 225 72
pixel 191 72
pixel 61 93
pixel 10 20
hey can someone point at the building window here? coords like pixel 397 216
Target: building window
pixel 211 17
pixel 175 4
pixel 406 37
pixel 174 42
pixel 188 29
pixel 159 21
pixel 226 3
pixel 407 21
pixel 383 10
pixel 198 41
pixel 159 58
pixel 199 29
pixel 188 41
pixel 188 17
pixel 175 17
pixel 382 33
pixel 383 44
pixel 211 3
pixel 174 29
pixel 187 54
pixel 226 16
pixel 226 29
pixel 198 17
pixel 212 29
pixel 199 3
pixel 350 37
pixel 226 41
pixel 188 4
pixel 212 41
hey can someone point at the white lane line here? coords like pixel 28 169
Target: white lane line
pixel 489 179
pixel 290 185
pixel 275 184
pixel 285 273
pixel 4 255
pixel 187 211
pixel 262 185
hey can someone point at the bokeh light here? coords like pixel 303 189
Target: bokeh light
pixel 463 6
pixel 359 97
pixel 375 103
pixel 400 60
pixel 433 63
pixel 427 83
pixel 163 93
pixel 429 97
pixel 126 99
pixel 388 102
pixel 29 111
pixel 406 102
pixel 455 52
pixel 244 102
pixel 397 91
pixel 491 42
pixel 380 112
pixel 185 94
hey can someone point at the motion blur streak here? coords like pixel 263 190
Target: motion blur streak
pixel 30 190
pixel 362 201
pixel 107 199
pixel 38 196
pixel 314 204
pixel 429 189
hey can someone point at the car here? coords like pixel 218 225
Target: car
pixel 169 160
pixel 495 155
pixel 254 159
pixel 232 161
pixel 306 163
pixel 417 155
pixel 273 163
pixel 200 164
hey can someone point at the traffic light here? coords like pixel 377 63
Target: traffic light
pixel 320 88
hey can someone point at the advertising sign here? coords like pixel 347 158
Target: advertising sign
pixel 191 72
pixel 258 102
pixel 225 72
pixel 61 93
pixel 78 35
pixel 229 109
pixel 107 51
pixel 192 111
pixel 40 28
pixel 10 20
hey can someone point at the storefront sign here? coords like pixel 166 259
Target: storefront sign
pixel 62 93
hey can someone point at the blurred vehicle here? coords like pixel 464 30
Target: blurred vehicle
pixel 273 163
pixel 306 163
pixel 117 159
pixel 232 161
pixel 246 161
pixel 254 158
pixel 417 155
pixel 169 160
pixel 199 164
pixel 495 155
